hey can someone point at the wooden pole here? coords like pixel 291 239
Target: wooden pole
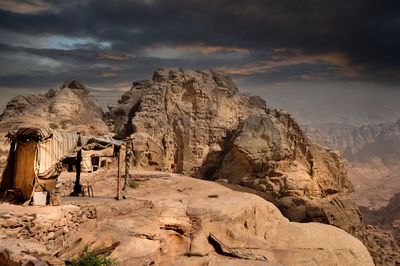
pixel 118 197
pixel 77 186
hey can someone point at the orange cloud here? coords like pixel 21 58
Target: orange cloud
pixel 207 49
pixel 25 7
pixel 112 72
pixel 106 75
pixel 116 57
pixel 339 60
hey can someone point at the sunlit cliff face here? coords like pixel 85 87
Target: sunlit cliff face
pixel 326 55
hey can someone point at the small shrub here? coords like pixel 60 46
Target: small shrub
pixel 53 126
pixel 90 258
pixel 133 184
pixel 64 124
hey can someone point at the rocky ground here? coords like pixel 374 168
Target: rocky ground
pixel 171 219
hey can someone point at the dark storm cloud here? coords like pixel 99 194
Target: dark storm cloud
pixel 367 31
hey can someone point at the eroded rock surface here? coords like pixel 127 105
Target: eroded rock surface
pixel 179 220
pixel 183 116
pixel 69 108
pixel 199 120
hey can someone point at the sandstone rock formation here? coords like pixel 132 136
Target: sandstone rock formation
pixel 69 108
pixel 183 117
pixel 200 121
pixel 176 220
pixel 307 182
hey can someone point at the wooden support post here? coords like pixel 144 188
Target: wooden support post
pixel 77 186
pixel 118 197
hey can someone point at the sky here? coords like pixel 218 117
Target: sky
pixel 322 60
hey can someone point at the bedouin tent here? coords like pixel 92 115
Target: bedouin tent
pixel 34 159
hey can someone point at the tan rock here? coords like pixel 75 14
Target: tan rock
pixel 200 121
pixel 69 108
pixel 178 224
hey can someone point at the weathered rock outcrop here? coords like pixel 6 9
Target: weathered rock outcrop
pixel 306 181
pixel 214 132
pixel 69 108
pixel 179 220
pixel 183 116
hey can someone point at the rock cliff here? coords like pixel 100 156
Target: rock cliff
pixel 183 117
pixel 200 121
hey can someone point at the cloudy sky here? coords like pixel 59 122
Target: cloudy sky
pixel 309 56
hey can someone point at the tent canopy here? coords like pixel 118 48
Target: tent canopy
pixel 37 153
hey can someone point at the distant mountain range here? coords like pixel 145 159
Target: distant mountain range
pixel 373 155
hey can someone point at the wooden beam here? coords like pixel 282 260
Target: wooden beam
pixel 118 197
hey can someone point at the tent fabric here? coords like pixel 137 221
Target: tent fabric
pixel 9 170
pixel 24 172
pixel 38 134
pixel 98 143
pixel 51 151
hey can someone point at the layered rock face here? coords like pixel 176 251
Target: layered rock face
pixel 214 132
pixel 69 108
pixel 183 117
pixel 306 181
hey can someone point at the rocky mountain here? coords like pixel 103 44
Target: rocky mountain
pixel 372 153
pixel 200 121
pixel 71 107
